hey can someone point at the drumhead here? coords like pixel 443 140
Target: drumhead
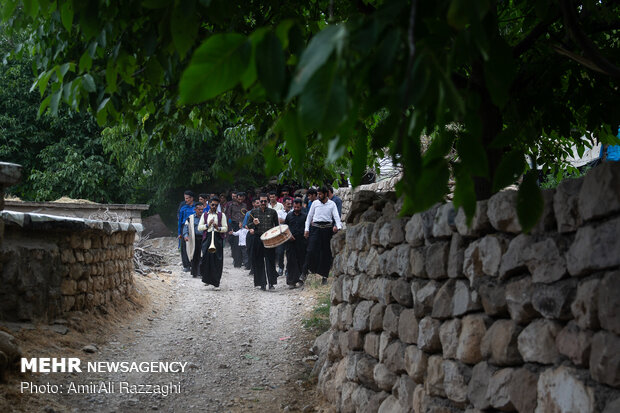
pixel 274 232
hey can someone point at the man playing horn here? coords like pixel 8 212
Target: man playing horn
pixel 262 220
pixel 193 239
pixel 214 228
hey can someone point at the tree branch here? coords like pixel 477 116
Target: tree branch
pixel 532 36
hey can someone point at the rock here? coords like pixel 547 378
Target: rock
pixel 390 319
pixel 554 300
pixel 394 358
pixel 456 377
pixel 585 305
pixel 600 193
pixel 361 316
pixel 91 348
pixel 384 341
pixel 513 261
pixel 365 372
pixel 351 369
pixel 416 362
pixel 499 344
pixel 605 359
pixel 444 225
pixel 547 222
pixel 404 390
pixel 502 211
pixel 480 223
pixel 352 341
pixel 609 302
pixel 595 247
pixel 401 291
pixel 392 233
pixel 522 390
pixel 473 329
pixel 335 294
pixel 417 262
pixel 565 205
pixel 483 257
pixel 384 378
pixel 390 405
pixel 498 392
pixel 575 344
pixel 428 335
pixel 375 320
pixel 434 377
pixel 361 201
pixel 477 387
pixel 403 261
pixel 372 263
pixel 613 406
pixel 437 259
pixel 408 326
pixel 519 300
pixel 442 304
pixel 414 231
pixel 449 333
pixel 346 402
pixel 559 390
pixel 545 262
pixel 464 300
pixel 10 348
pixel 371 344
pixel 424 297
pixel 537 342
pixel 493 298
pixel 456 256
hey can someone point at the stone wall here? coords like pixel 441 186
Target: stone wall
pixel 347 193
pixel 50 265
pixel 430 315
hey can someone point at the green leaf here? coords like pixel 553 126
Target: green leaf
pixel 184 26
pixel 432 185
pixel 293 136
pixel 31 7
pixel 54 101
pixel 8 8
pixel 86 62
pixel 216 66
pixel 509 169
pixel 323 104
pixel 273 163
pixel 472 154
pixel 66 15
pixel 360 156
pixel 458 13
pixel 89 83
pixel 282 32
pixel 530 202
pixel 44 104
pixel 464 192
pixel 316 54
pixel 270 65
pixel 499 72
pixel 102 112
pixel 110 76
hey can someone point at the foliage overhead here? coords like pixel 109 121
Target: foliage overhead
pixel 498 81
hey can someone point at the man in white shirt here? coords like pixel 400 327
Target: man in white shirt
pixel 322 222
pixel 273 202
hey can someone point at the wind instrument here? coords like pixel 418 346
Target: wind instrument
pixel 212 248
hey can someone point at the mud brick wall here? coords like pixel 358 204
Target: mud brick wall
pixel 51 265
pixel 430 315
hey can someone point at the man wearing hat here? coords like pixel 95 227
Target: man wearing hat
pixel 184 212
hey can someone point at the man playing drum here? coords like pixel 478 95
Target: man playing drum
pixel 264 259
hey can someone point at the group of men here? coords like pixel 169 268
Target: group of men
pixel 204 225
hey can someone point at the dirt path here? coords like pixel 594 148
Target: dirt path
pixel 245 349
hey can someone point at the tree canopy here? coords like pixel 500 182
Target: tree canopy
pixel 494 82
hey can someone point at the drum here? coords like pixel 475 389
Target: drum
pixel 276 236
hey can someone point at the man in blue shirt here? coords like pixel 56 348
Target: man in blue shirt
pixel 184 212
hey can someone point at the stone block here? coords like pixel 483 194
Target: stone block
pixel 408 326
pixel 483 257
pixel 394 358
pixel 384 341
pixel 390 405
pixel 493 298
pixel 449 333
pixel 560 390
pixel 351 263
pixel 9 347
pixel 417 262
pixel 353 341
pixel 383 291
pixel 502 211
pixel 456 377
pixel 414 230
pixel 473 329
pixel 575 344
pixel 456 256
pixel 371 344
pixel 595 247
pixel 478 384
pixel 554 300
pixel 585 304
pixel 522 390
pixel 498 391
pixel 519 300
pixel 401 291
pixel 436 260
pixel 480 223
pixel 546 222
pixel 372 263
pixel 351 360
pixel 346 403
pixel 442 304
pixel 609 302
pixel 428 335
pixel 416 362
pixel 374 236
pixel 361 316
pixel 435 377
pixel 375 320
pixel 424 297
pixel 403 261
pixel 605 359
pixel 68 287
pixel 404 390
pixel 565 205
pixel 335 293
pixel 612 406
pixel 364 371
pixel 600 193
pixel 545 262
pixel 373 403
pixel 444 225
pixel 392 232
pixel 464 300
pixel 362 241
pixel 499 344
pixel 390 319
pixel 537 342
pixel 384 377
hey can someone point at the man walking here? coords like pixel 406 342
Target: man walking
pixel 213 226
pixel 184 212
pixel 280 249
pixel 193 239
pixel 296 246
pixel 319 230
pixel 236 213
pixel 336 199
pixel 249 240
pixel 264 260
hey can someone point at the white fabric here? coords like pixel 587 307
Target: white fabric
pixel 323 212
pixel 278 207
pixel 192 238
pixel 242 234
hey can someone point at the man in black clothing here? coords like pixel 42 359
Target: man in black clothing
pixel 263 219
pixel 296 246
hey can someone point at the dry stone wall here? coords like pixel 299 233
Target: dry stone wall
pixel 431 315
pixel 51 265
